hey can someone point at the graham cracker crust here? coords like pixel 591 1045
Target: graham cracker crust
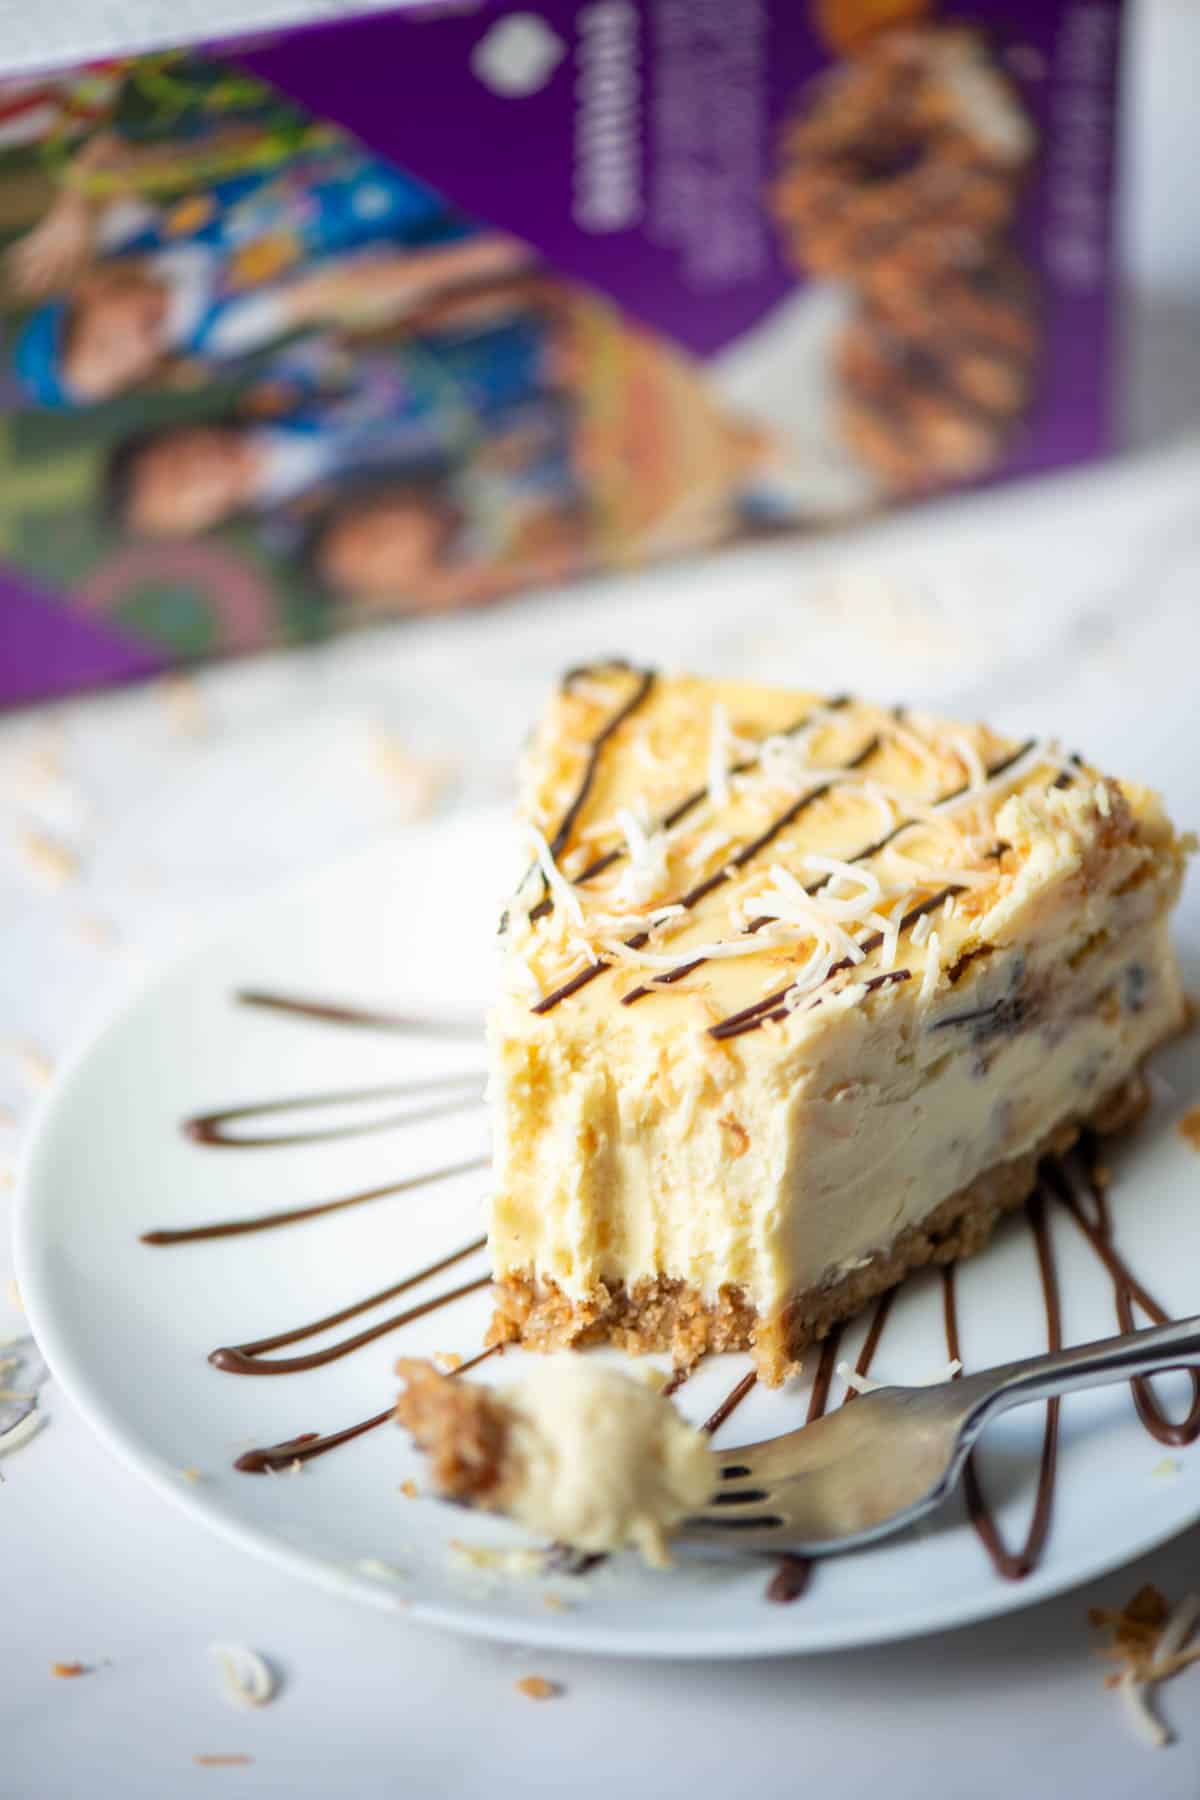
pixel 462 1428
pixel 667 1314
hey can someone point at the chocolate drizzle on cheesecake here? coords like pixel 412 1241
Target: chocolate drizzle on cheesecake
pixel 677 813
pixel 731 867
pixel 860 856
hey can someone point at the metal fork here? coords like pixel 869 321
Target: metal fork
pixel 895 1455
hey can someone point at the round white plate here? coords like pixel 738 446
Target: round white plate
pixel 127 1328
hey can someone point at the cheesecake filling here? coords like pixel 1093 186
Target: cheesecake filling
pixel 912 959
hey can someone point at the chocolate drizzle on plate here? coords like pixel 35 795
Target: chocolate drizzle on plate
pixel 295 1215
pixel 361 1018
pixel 1071 1182
pixel 1014 1565
pixel 439 1095
pixel 273 1457
pixel 252 1358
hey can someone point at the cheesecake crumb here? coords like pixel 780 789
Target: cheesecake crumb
pixel 235 1759
pixel 555 1603
pixel 1189 1127
pixel 447 1361
pixel 191 1473
pixel 739 1136
pixel 67 1671
pixel 409 1488
pixel 47 859
pixel 536 1687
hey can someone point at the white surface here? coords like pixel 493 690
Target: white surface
pixel 127 1328
pixel 1072 605
pixel 171 827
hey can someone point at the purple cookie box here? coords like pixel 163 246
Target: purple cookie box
pixel 406 84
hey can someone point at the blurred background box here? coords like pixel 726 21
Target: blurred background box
pixel 418 308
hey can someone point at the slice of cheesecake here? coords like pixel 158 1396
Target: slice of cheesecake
pixel 795 994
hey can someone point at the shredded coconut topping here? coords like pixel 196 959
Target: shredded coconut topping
pixel 933 968
pixel 564 894
pixel 720 742
pixel 246 1679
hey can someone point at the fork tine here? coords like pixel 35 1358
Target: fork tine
pixel 738 1496
pixel 732 1524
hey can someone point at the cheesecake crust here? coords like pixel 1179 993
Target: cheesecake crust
pixel 665 1314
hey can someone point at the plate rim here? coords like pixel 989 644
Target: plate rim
pixel 119 998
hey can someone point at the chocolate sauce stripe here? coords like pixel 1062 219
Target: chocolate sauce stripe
pixel 359 1018
pixel 562 834
pixel 461 1093
pixel 248 1359
pixel 772 1007
pixel 739 1022
pixel 309 1444
pixel 691 801
pixel 860 856
pixel 711 883
pixel 1015 1565
pixel 1127 1290
pixel 295 1215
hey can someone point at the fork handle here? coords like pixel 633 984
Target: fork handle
pixel 1108 1360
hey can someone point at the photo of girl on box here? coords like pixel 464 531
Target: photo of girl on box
pixel 227 323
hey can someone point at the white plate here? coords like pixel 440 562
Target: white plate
pixel 127 1328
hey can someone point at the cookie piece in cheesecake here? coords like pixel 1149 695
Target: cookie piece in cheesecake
pixel 795 993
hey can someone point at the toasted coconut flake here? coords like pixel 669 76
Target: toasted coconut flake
pixel 247 1680
pixel 863 1384
pixel 417 782
pixel 1189 1127
pixel 495 1560
pixel 1152 1642
pixel 35 1067
pixel 47 859
pixel 720 743
pixel 382 1571
pixel 1145 1722
pixel 22 1433
pixel 409 1488
pixel 564 894
pixel 536 1687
